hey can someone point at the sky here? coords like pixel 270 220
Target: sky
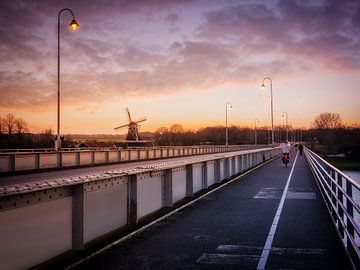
pixel 179 62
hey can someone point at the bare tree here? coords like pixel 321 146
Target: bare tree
pixel 176 128
pixel 20 126
pixel 328 121
pixel 2 125
pixel 9 122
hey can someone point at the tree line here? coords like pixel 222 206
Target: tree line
pixel 14 134
pixel 327 130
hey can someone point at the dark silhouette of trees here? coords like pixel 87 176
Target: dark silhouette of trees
pixel 328 120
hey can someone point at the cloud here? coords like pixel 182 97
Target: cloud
pixel 112 56
pixel 327 32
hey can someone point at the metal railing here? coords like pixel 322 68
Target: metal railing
pixel 342 197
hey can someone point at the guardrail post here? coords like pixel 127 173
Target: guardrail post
pixel 189 181
pixel 349 208
pixel 168 190
pixel 233 167
pixel 93 157
pixel 107 156
pixel 13 163
pixel 77 158
pixel 37 161
pixel 204 175
pixel 340 197
pixel 132 200
pixel 78 217
pixel 240 166
pixel 217 173
pixel 226 168
pixel 333 197
pixel 59 159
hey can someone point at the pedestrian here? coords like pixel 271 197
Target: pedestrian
pixel 301 148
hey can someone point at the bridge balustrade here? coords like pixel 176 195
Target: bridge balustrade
pixel 341 194
pixel 45 160
pixel 42 220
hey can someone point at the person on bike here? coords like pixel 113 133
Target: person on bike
pixel 285 148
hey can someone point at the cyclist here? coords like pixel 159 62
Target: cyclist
pixel 285 148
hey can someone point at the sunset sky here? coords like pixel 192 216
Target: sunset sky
pixel 179 62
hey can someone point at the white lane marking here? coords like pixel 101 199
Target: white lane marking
pixel 269 240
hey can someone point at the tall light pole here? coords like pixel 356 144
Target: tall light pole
pixel 286 127
pixel 256 121
pixel 272 113
pixel 226 122
pixel 74 25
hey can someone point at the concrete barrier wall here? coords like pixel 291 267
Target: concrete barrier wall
pixel 40 223
pixel 31 235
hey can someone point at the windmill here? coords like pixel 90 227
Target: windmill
pixel 133 127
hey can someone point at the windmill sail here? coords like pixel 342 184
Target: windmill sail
pixel 133 127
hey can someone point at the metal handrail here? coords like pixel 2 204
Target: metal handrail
pixel 338 196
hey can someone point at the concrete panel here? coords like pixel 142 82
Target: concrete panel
pixel 68 159
pixel 85 158
pixel 210 173
pixel 164 153
pixel 197 177
pixel 134 154
pixel 5 163
pixel 104 210
pixel 25 162
pixel 179 184
pixel 100 157
pixel 149 195
pixel 48 161
pixel 31 235
pixel 170 152
pixel 158 153
pixel 124 155
pixel 143 154
pixel 151 153
pixel 113 156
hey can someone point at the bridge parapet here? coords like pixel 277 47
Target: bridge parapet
pixel 43 220
pixel 341 194
pixel 45 160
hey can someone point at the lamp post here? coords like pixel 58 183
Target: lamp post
pixel 286 127
pixel 73 24
pixel 256 121
pixel 272 114
pixel 226 122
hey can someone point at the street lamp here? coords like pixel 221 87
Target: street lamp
pixel 256 121
pixel 286 127
pixel 227 132
pixel 74 25
pixel 272 114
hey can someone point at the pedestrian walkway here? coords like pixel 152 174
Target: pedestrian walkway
pixel 249 224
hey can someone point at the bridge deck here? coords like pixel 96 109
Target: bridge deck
pixel 229 228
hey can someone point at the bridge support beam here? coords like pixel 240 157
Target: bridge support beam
pixel 132 200
pixel 217 171
pixel 204 175
pixel 78 217
pixel 168 189
pixel 189 181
